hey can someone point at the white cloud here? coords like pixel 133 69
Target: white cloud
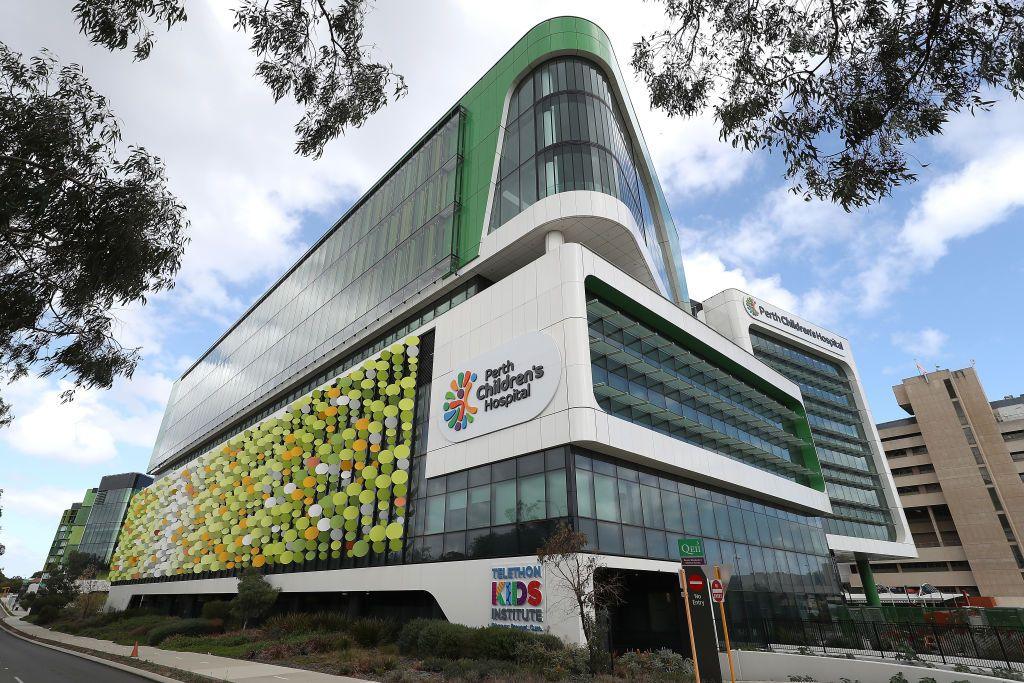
pixel 926 343
pixel 956 206
pixel 782 226
pixel 89 429
pixel 706 275
pixel 46 502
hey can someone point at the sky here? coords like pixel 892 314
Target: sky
pixel 932 273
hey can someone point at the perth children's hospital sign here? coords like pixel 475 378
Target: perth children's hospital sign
pixel 498 389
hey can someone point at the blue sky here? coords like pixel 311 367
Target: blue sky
pixel 931 273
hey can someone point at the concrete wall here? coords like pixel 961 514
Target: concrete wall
pixel 774 666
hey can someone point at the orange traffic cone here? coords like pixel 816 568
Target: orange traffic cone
pixel 135 650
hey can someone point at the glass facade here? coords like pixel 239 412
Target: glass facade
pixel 645 376
pixel 397 239
pixel 564 132
pixel 107 515
pixel 779 560
pixel 851 479
pixel 402 328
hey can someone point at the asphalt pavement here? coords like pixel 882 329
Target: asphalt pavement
pixel 23 662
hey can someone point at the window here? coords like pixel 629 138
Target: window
pixel 1007 529
pixel 995 499
pixel 949 388
pixel 1014 435
pixel 501 509
pixel 767 549
pixel 396 239
pixel 564 132
pixel 649 377
pixel 960 413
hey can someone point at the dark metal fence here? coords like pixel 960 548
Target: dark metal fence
pixel 974 646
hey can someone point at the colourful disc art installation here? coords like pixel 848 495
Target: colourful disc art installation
pixel 328 477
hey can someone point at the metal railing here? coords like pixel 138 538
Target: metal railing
pixel 950 644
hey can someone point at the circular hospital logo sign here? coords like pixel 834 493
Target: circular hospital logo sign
pixel 458 412
pixel 750 305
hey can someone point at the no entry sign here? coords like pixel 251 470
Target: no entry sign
pixel 717 591
pixel 695 583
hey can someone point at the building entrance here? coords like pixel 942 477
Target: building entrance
pixel 651 616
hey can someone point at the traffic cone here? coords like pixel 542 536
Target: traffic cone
pixel 135 650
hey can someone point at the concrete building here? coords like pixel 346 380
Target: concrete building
pixel 495 339
pixel 958 464
pixel 866 523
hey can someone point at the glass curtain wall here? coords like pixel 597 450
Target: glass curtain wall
pixel 564 132
pixel 387 337
pixel 779 560
pixel 851 479
pixel 644 376
pixel 399 237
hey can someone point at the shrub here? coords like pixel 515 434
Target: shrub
pixel 432 637
pixel 495 642
pixel 373 632
pixel 217 609
pixel 47 614
pixel 436 638
pixel 567 662
pixel 284 625
pixel 188 627
pixel 661 665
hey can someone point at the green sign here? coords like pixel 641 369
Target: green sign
pixel 691 551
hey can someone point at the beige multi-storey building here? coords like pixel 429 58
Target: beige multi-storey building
pixel 958 464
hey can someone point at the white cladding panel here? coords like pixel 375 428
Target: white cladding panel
pixel 548 295
pixel 733 313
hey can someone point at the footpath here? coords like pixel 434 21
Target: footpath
pixel 217 668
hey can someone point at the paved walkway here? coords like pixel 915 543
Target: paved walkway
pixel 220 668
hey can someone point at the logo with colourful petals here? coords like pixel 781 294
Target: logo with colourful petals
pixel 458 413
pixel 751 306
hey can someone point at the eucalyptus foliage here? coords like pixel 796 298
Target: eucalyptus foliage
pixel 86 226
pixel 309 50
pixel 839 87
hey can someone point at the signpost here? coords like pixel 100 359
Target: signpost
pixel 718 595
pixel 700 621
pixel 717 590
pixel 701 625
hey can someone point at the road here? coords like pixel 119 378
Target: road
pixel 22 662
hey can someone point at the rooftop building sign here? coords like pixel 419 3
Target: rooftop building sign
pixel 767 314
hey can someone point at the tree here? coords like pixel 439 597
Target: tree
pixel 564 556
pixel 310 50
pixel 255 597
pixel 82 229
pixel 81 565
pixel 840 87
pixel 58 590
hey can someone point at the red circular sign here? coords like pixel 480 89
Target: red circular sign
pixel 717 591
pixel 695 582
